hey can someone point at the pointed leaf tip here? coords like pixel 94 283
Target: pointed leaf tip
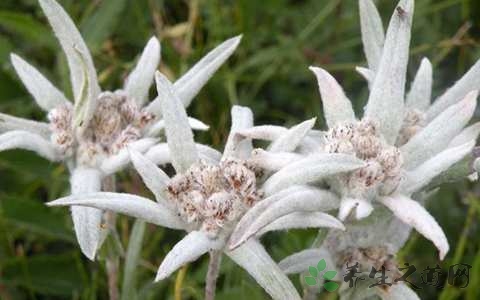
pixel 140 79
pixel 188 86
pixel 386 101
pixel 415 215
pixel 337 107
pixel 70 38
pixel 45 93
pixel 373 35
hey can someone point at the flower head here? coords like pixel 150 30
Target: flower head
pixel 209 195
pixel 91 134
pixel 394 150
pixel 214 196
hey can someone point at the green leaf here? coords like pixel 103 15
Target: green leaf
pixel 102 23
pixel 313 271
pixel 321 265
pixel 331 286
pixel 310 280
pixel 47 274
pixel 329 275
pixel 36 217
pixel 32 31
pixel 5 49
pixel 131 261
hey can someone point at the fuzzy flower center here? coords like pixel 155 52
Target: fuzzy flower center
pixel 212 197
pixel 413 122
pixel 116 122
pixel 362 139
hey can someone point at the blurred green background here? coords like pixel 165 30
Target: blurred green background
pixel 39 258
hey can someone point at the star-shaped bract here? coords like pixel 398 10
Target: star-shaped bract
pixel 207 198
pixel 91 134
pixel 392 173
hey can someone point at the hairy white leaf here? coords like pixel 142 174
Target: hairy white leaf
pixel 336 106
pixel 272 161
pixel 72 43
pixel 359 207
pixel 255 260
pixel 86 220
pixel 252 214
pixel 420 93
pixel 367 74
pixel 188 86
pixel 415 215
pixel 469 82
pixel 298 220
pixel 18 139
pixel 154 178
pixel 160 154
pixel 310 169
pixel 468 134
pixel 263 132
pixel 179 135
pixel 191 247
pixel 300 261
pixel 306 200
pixel 140 79
pixel 10 123
pixel 130 205
pixel 45 93
pixel 373 35
pixel 436 136
pixel 386 101
pixel 242 118
pixel 121 160
pixel 159 126
pixel 423 174
pixel 292 138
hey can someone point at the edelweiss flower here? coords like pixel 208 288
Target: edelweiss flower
pixel 418 108
pixel 91 134
pixel 399 155
pixel 207 198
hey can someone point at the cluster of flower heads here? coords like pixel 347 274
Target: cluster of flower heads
pixel 377 168
pixel 213 196
pixel 91 134
pixel 116 122
pixel 383 162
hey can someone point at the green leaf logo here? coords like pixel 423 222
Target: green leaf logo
pixel 311 280
pixel 321 265
pixel 329 275
pixel 313 271
pixel 331 286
